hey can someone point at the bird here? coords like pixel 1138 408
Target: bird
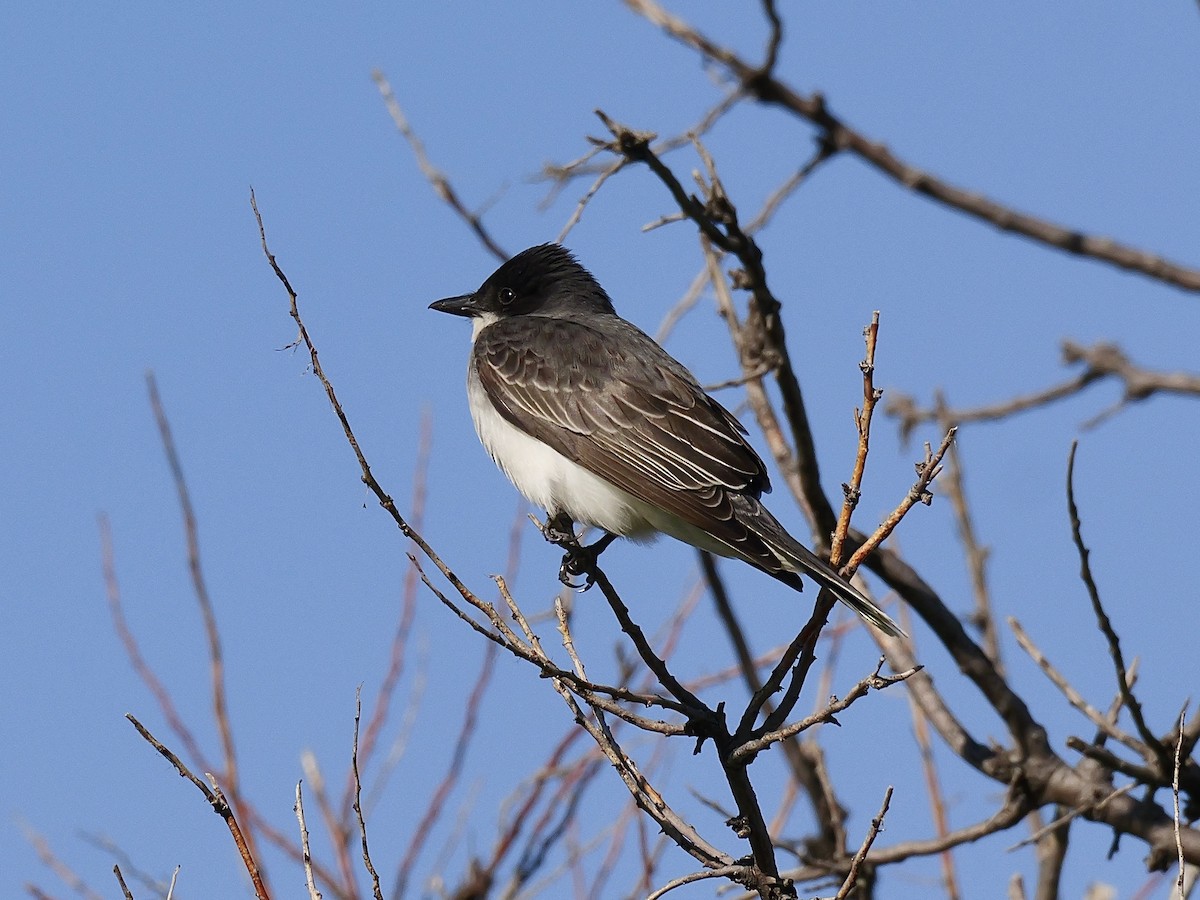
pixel 595 423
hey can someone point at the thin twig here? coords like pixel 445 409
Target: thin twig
pixel 733 873
pixel 125 892
pixel 559 175
pixel 1154 749
pixel 1102 722
pixel 862 422
pixel 200 588
pixel 927 470
pixel 976 556
pixel 437 179
pixel 56 865
pixel 309 880
pixel 933 786
pixel 338 826
pixel 133 651
pixel 872 832
pixel 1071 814
pixel 577 213
pixel 1016 807
pixel 1101 361
pixel 216 799
pixel 1175 797
pixel 362 824
pixel 466 734
pixel 747 750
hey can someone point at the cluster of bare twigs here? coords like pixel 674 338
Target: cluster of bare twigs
pixel 591 703
pixel 651 699
pixel 1035 775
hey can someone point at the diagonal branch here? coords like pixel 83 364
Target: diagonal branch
pixel 765 87
pixel 216 799
pixel 436 178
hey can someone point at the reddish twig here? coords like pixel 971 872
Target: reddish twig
pixel 933 785
pixel 976 556
pixel 862 422
pixel 466 733
pixel 200 588
pixel 141 667
pixel 216 799
pixel 408 607
pixel 50 859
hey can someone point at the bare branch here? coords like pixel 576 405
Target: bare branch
pixel 1154 749
pixel 1104 723
pixel 216 799
pixel 577 214
pixel 200 588
pixel 358 813
pixel 51 860
pixel 933 786
pixel 437 180
pixel 466 733
pixel 125 892
pixel 309 881
pixel 855 864
pixel 147 675
pixel 1073 813
pixel 862 421
pixel 927 470
pixel 1100 361
pixel 733 873
pixel 976 555
pixel 813 108
pixel 1015 808
pixel 875 681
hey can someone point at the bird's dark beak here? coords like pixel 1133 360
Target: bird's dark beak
pixel 457 306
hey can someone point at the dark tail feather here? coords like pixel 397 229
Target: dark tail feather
pixel 796 559
pixel 823 574
pixel 754 535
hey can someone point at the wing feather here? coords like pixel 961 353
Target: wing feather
pixel 623 409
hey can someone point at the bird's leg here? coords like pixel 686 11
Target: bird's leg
pixel 560 529
pixel 578 559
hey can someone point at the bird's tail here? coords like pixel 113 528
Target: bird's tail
pixel 808 563
pixel 796 559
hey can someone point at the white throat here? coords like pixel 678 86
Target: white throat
pixel 480 322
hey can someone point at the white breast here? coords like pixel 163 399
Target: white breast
pixel 556 484
pixel 547 478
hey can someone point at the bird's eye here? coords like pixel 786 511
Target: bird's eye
pixel 507 296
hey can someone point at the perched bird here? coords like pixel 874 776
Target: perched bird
pixel 595 423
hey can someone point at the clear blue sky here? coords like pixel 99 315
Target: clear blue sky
pixel 132 134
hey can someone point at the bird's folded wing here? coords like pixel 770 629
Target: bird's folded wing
pixel 612 401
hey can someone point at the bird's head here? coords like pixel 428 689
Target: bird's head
pixel 545 280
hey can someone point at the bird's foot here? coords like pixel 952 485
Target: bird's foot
pixel 560 530
pixel 581 560
pixel 577 561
